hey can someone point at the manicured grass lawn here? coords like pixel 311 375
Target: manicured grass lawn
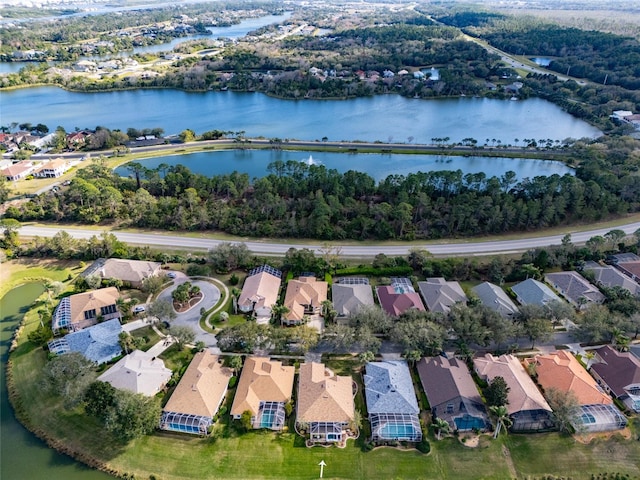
pixel 147 332
pixel 15 272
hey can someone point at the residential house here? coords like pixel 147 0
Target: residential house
pixel 533 292
pixel 304 297
pixel 623 258
pixel 264 388
pixel 197 398
pixel 129 272
pixel 609 277
pixel 99 343
pixel 452 393
pixel 399 297
pixel 619 374
pixel 325 403
pixel 440 295
pixel 528 409
pixel 350 295
pixel 260 292
pixel 561 371
pixel 138 372
pixel 494 297
pixel 391 402
pixel 52 169
pixel 630 269
pixel 574 287
pixel 18 171
pixel 85 309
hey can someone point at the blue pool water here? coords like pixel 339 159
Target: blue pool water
pixel 468 422
pixel 267 420
pixel 397 431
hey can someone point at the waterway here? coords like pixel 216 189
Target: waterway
pixel 22 455
pixel 386 118
pixel 379 166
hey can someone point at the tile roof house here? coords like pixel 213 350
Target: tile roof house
pixel 397 298
pixel 198 396
pixel 608 276
pixel 619 374
pixel 138 372
pixel 304 297
pixel 495 298
pixel 440 295
pixel 631 269
pixel 99 343
pixel 391 402
pixel 83 309
pixel 561 371
pixel 534 292
pixel 527 408
pixel 18 171
pixel 349 298
pixel 264 388
pixel 574 287
pixel 325 403
pixel 260 292
pixel 52 169
pixel 131 272
pixel 452 393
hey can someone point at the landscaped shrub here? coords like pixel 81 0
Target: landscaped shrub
pixel 233 381
pixel 375 272
pixel 196 270
pixel 233 279
pixel 424 446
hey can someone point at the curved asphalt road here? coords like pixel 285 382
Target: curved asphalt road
pixel 160 239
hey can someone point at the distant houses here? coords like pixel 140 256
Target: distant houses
pixel 391 402
pixel 264 388
pixel 495 298
pixel 572 286
pixel 350 295
pixel 533 292
pixel 609 277
pixel 129 272
pixel 325 403
pixel 198 396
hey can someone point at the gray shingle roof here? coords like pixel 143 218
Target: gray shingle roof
pixel 574 287
pixel 348 299
pixel 608 276
pixel 389 388
pixel 440 295
pixel 98 343
pixel 534 292
pixel 495 298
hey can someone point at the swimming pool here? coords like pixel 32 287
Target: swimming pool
pixel 468 422
pixel 267 419
pixel 397 431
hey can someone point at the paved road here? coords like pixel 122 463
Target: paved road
pixel 161 239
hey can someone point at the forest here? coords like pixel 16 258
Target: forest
pixel 309 201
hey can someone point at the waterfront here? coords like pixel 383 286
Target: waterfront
pixel 378 166
pixel 384 118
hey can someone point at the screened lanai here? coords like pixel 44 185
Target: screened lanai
pixel 270 415
pixel 600 418
pixel 185 422
pixel 395 426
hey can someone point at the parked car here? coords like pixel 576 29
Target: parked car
pixel 139 309
pixel 171 274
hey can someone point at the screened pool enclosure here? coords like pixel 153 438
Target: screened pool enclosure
pixel 402 427
pixel 185 423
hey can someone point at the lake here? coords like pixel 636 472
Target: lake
pixel 23 455
pixel 379 166
pixel 386 118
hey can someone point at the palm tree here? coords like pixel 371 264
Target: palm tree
pixel 502 419
pixel 589 356
pixel 412 356
pixel 366 357
pixel 440 425
pixel 278 311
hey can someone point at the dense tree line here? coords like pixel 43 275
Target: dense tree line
pixel 299 200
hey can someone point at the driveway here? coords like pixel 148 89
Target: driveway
pixel 191 318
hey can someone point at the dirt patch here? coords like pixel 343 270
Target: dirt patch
pixel 587 438
pixel 470 440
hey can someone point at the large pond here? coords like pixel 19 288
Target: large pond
pixel 379 166
pixel 23 455
pixel 386 118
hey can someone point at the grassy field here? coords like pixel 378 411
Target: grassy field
pixel 16 272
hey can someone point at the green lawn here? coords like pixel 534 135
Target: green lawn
pixel 146 333
pixel 15 272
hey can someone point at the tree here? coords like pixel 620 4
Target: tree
pixel 98 398
pixel 440 425
pixel 366 357
pixel 234 362
pixel 245 420
pixel 132 415
pixel 230 256
pixel 69 375
pixel 566 409
pixel 10 228
pixel 412 356
pixel 497 392
pixel 4 189
pixel 183 335
pixel 187 135
pixel 152 284
pixel 126 342
pixel 278 311
pixel 163 310
pixel 595 325
pixel 538 329
pixel 502 419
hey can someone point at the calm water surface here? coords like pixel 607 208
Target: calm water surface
pixel 379 166
pixel 383 118
pixel 23 456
